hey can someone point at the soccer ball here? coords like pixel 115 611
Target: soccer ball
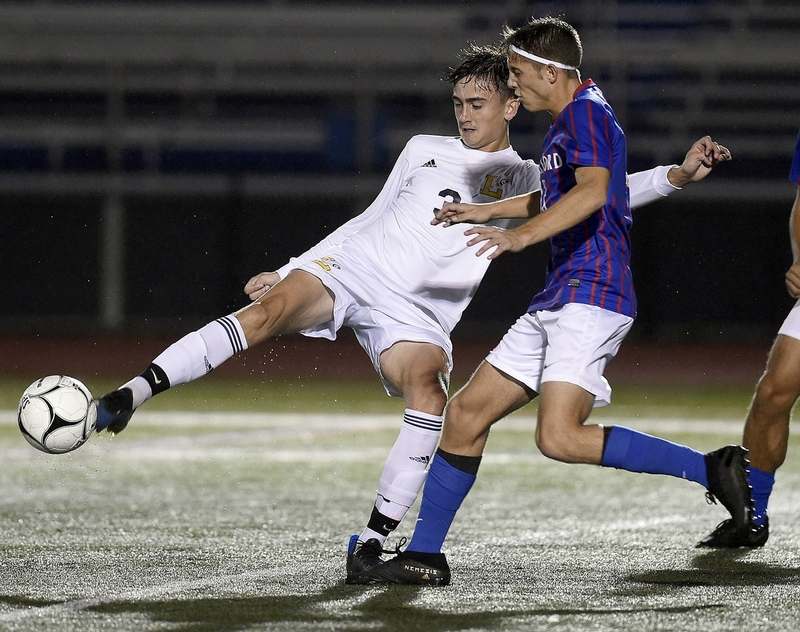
pixel 56 414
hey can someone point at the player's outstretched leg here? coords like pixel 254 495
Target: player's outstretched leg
pixel 418 371
pixel 297 302
pixel 563 435
pixel 722 472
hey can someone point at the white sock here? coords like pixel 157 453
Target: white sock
pixel 141 390
pixel 191 357
pixel 404 472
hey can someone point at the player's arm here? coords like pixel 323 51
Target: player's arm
pixel 587 196
pixel 793 273
pixel 653 184
pixel 517 207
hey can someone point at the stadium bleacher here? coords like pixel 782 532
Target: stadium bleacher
pixel 191 88
pixel 235 102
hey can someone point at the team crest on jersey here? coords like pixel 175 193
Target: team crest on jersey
pixel 493 186
pixel 327 263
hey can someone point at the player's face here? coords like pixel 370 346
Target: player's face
pixel 482 114
pixel 529 82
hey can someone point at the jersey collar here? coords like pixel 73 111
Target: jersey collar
pixel 584 86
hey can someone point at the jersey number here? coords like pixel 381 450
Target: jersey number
pixel 454 196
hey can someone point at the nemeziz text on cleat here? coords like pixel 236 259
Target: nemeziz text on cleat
pixel 362 557
pixel 114 410
pixel 727 536
pixel 727 469
pixel 411 567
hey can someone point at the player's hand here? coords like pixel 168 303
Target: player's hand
pixel 256 287
pixel 702 157
pixel 793 280
pixel 460 212
pixel 498 238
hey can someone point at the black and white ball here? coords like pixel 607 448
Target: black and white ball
pixel 56 414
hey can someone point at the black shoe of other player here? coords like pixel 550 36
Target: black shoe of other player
pixel 114 410
pixel 411 567
pixel 362 557
pixel 726 470
pixel 727 536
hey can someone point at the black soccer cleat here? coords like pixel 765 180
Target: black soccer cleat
pixel 726 470
pixel 362 557
pixel 727 536
pixel 114 410
pixel 413 568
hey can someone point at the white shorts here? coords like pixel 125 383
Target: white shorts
pixel 791 326
pixel 378 318
pixel 571 344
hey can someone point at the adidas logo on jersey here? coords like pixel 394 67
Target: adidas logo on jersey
pixel 430 163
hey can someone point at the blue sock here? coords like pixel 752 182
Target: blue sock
pixel 444 490
pixel 634 451
pixel 762 483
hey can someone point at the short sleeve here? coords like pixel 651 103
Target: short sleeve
pixel 589 124
pixel 526 180
pixel 794 174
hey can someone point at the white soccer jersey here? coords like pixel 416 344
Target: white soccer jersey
pixel 430 267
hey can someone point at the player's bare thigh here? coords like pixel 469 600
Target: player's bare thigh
pixel 298 302
pixel 487 397
pixel 419 370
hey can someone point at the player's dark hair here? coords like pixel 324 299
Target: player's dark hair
pixel 548 37
pixel 484 64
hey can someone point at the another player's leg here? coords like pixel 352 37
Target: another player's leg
pixel 297 302
pixel 418 371
pixel 581 340
pixel 488 396
pixel 563 435
pixel 766 435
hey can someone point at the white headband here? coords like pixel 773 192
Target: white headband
pixel 541 60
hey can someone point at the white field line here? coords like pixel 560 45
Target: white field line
pixel 237 435
pixel 149 592
pixel 338 423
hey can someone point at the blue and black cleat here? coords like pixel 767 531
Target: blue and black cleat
pixel 727 470
pixel 114 410
pixel 412 568
pixel 362 557
pixel 728 536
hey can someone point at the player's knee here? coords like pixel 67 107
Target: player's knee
pixel 262 320
pixel 774 394
pixel 426 391
pixel 554 442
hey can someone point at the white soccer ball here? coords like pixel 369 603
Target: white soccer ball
pixel 56 414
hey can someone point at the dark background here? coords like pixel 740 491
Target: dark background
pixel 153 156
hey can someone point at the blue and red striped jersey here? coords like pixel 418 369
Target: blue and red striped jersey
pixel 590 262
pixel 794 174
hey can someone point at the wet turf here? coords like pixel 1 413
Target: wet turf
pixel 203 525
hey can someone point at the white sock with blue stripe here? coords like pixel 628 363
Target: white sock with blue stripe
pixel 404 471
pixel 191 357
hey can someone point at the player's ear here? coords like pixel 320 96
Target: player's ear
pixel 512 107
